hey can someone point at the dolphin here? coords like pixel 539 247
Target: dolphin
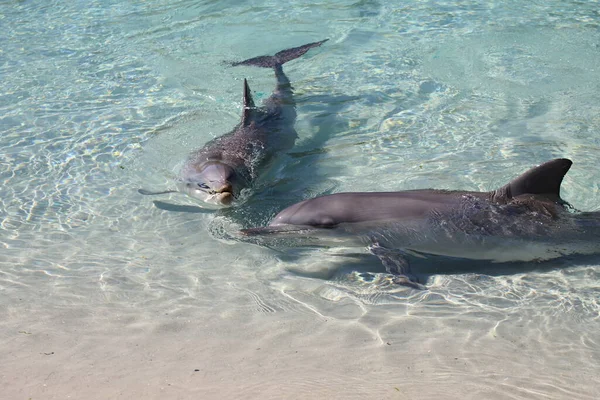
pixel 219 171
pixel 525 220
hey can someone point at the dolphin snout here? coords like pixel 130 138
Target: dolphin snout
pixel 225 188
pixel 224 194
pixel 225 198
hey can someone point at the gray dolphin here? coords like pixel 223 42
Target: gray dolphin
pixel 217 173
pixel 525 220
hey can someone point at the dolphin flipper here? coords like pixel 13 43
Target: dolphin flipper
pixel 161 205
pixel 396 263
pixel 149 193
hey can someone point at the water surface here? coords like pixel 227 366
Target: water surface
pixel 105 295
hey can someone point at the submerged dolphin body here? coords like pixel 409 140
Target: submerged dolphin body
pixel 216 173
pixel 525 220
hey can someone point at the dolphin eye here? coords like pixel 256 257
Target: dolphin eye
pixel 202 185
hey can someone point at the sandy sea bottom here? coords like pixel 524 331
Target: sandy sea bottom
pixel 107 294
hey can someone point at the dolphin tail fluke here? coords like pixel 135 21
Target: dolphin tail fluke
pixel 280 58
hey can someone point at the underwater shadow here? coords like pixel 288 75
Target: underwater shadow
pixel 428 266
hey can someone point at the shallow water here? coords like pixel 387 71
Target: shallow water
pixel 105 294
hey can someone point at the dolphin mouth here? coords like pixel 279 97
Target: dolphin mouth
pixel 224 198
pixel 224 194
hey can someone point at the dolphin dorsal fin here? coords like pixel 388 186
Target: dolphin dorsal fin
pixel 545 179
pixel 248 104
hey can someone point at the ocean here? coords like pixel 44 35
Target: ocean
pixel 108 294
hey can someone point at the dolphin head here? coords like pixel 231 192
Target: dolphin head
pixel 213 182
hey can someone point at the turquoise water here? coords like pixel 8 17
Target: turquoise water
pixel 99 99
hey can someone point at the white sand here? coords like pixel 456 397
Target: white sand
pixel 259 348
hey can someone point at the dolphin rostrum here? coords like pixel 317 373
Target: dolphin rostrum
pixel 525 220
pixel 217 172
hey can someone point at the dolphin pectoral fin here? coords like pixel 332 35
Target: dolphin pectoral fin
pixel 149 193
pixel 396 263
pixel 161 205
pixel 393 260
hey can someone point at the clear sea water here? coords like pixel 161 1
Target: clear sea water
pixel 105 294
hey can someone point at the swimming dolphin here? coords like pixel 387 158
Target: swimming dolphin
pixel 216 173
pixel 525 220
